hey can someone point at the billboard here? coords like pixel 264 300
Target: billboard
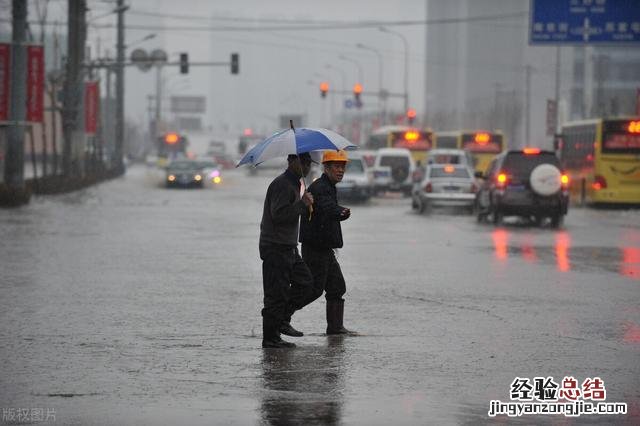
pixel 5 75
pixel 35 83
pixel 188 104
pixel 91 107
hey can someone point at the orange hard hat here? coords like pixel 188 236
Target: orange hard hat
pixel 332 155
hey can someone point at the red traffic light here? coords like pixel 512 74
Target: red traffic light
pixel 357 88
pixel 324 88
pixel 411 113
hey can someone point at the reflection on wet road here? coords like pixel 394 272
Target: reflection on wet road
pixel 622 260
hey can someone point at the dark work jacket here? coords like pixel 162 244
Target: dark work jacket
pixel 282 210
pixel 323 230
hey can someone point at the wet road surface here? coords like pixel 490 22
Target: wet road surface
pixel 131 304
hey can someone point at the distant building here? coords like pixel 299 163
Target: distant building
pixel 608 85
pixel 475 69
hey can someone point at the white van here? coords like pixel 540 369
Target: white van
pixel 393 170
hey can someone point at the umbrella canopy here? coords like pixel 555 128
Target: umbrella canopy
pixel 295 141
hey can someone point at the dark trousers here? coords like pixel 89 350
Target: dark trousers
pixel 286 280
pixel 327 275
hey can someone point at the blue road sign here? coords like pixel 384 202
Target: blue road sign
pixel 348 104
pixel 584 21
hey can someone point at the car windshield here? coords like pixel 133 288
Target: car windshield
pixel 446 159
pixel 450 172
pixel 183 165
pixel 207 164
pixel 355 166
pixel 394 161
pixel 521 165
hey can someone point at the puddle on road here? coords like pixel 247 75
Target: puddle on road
pixel 624 261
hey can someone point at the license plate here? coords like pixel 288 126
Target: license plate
pixel 451 188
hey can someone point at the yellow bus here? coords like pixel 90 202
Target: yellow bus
pixel 602 158
pixel 482 145
pixel 415 140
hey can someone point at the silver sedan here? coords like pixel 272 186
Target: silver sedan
pixel 445 185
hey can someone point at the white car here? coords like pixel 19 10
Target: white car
pixel 357 183
pixel 393 170
pixel 445 185
pixel 450 156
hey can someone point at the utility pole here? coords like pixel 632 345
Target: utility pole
pixel 14 161
pixel 527 105
pixel 556 95
pixel 119 68
pixel 73 88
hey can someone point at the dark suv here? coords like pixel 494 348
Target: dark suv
pixel 526 183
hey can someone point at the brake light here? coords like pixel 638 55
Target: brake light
pixel 428 187
pixel 501 180
pixel 564 180
pixel 634 127
pixel 599 183
pixel 531 151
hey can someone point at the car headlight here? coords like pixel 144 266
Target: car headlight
pixel 198 178
pixel 171 178
pixel 217 179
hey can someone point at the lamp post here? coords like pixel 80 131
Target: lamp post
pixel 381 102
pixel 357 64
pixel 406 64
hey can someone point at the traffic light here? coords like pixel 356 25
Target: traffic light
pixel 411 115
pixel 357 90
pixel 184 63
pixel 171 138
pixel 324 88
pixel 235 63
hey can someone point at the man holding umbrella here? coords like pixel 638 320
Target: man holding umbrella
pixel 286 280
pixel 321 234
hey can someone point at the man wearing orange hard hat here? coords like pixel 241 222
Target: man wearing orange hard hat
pixel 321 233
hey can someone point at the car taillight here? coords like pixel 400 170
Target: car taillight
pixel 564 181
pixel 428 187
pixel 531 151
pixel 599 183
pixel 501 180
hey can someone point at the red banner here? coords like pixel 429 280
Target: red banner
pixel 5 75
pixel 91 107
pixel 35 83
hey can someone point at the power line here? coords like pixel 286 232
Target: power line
pixel 312 25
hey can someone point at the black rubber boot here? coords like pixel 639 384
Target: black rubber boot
pixel 271 335
pixel 335 317
pixel 287 329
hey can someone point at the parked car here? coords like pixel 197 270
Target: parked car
pixel 527 183
pixel 357 183
pixel 393 170
pixel 445 185
pixel 184 173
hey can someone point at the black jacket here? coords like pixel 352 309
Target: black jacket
pixel 323 230
pixel 282 210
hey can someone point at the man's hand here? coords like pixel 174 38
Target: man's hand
pixel 307 198
pixel 346 213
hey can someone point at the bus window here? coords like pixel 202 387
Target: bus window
pixel 377 141
pixel 450 142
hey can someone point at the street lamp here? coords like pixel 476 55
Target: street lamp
pixel 406 64
pixel 379 55
pixel 143 39
pixel 381 103
pixel 357 64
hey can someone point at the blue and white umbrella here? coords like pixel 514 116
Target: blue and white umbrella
pixel 295 141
